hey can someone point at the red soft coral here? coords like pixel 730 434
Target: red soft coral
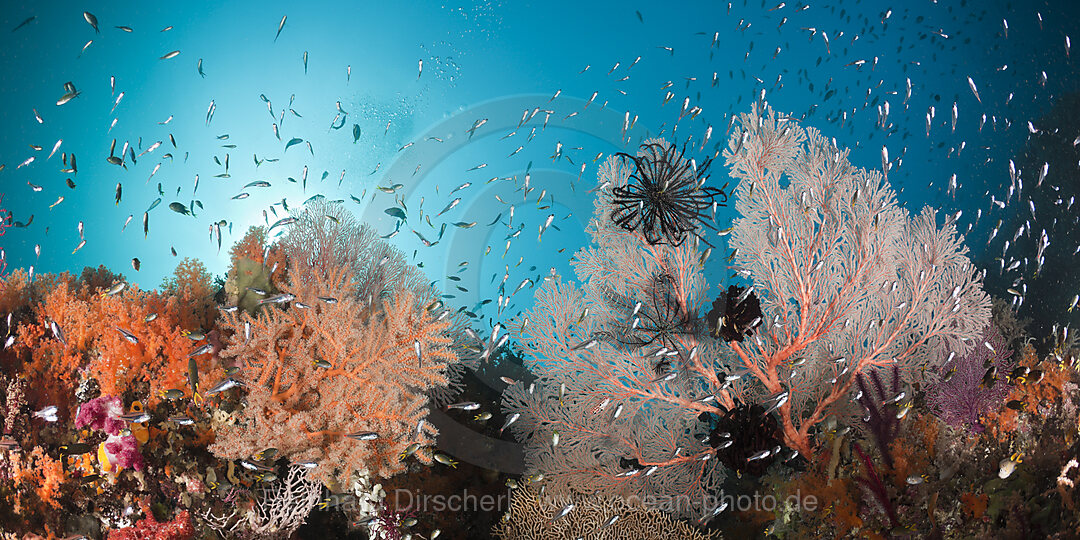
pixel 149 528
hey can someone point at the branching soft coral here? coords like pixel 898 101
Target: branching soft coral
pixel 94 346
pixel 254 265
pixel 158 359
pixel 96 280
pixel 14 291
pixel 51 365
pixel 318 373
pixel 101 414
pixel 193 286
pixel 1036 395
pixel 38 473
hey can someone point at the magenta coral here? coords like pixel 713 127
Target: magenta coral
pixel 101 414
pixel 124 451
pixel 963 398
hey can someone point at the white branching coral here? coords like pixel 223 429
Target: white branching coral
pixel 279 509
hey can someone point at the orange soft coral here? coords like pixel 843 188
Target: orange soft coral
pixel 51 366
pixel 317 374
pixel 38 473
pixel 1032 395
pixel 833 497
pixel 93 342
pixel 14 291
pixel 914 451
pixel 193 287
pixel 159 359
pixel 974 504
pixel 253 247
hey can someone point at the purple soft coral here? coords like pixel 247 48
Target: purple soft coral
pixel 123 451
pixel 101 414
pixel 963 399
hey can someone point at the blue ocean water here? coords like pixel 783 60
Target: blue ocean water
pixel 478 58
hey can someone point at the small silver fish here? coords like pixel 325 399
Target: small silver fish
pixel 759 455
pixel 136 417
pixel 363 436
pixel 278 299
pixel 47 414
pixel 127 335
pixel 509 420
pixel 563 512
pixel 204 349
pixel 222 386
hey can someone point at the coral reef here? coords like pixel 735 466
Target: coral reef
pixel 854 372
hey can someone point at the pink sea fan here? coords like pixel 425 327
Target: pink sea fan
pixel 124 451
pixel 963 399
pixel 101 414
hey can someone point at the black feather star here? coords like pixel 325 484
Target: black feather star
pixel 733 314
pixel 665 197
pixel 740 436
pixel 661 320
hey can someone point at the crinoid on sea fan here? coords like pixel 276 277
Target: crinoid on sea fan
pixel 660 319
pixel 741 435
pixel 665 197
pixel 735 313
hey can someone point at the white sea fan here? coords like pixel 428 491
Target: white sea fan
pixel 847 279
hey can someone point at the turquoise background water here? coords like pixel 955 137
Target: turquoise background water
pixel 481 60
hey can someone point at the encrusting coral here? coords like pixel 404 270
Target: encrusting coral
pixel 530 517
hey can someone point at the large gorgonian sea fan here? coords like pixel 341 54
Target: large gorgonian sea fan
pixel 848 280
pixel 964 392
pixel 665 197
pixel 626 418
